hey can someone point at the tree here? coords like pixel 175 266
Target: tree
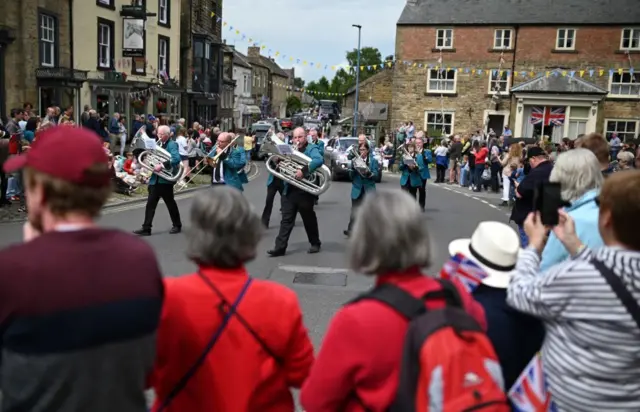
pixel 298 82
pixel 369 56
pixel 294 105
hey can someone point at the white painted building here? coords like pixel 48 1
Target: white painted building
pixel 245 110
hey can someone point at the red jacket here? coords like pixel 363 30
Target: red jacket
pixel 238 375
pixel 362 349
pixel 481 156
pixel 127 166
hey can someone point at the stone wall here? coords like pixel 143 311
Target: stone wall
pixel 376 89
pixel 596 48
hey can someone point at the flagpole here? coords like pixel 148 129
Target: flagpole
pixel 544 115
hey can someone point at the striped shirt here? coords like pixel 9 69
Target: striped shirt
pixel 591 353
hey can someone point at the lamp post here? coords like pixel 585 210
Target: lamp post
pixel 355 110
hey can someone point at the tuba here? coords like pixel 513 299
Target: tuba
pixel 407 158
pixel 358 163
pixel 148 160
pixel 285 161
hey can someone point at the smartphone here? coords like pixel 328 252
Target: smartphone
pixel 547 199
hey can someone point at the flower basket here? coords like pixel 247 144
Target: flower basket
pixel 161 106
pixel 138 103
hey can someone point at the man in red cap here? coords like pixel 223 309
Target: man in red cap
pixel 77 324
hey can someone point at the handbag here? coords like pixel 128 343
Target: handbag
pixel 619 289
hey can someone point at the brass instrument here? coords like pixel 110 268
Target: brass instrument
pixel 212 161
pixel 285 165
pixel 149 159
pixel 357 162
pixel 407 158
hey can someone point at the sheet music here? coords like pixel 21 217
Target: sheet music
pixel 284 149
pixel 410 162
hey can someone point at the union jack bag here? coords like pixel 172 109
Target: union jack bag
pixel 464 270
pixel 530 393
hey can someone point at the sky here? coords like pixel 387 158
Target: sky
pixel 311 31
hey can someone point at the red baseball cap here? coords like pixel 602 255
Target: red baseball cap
pixel 67 153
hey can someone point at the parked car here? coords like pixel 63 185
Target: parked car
pixel 286 123
pixel 259 131
pixel 335 157
pixel 311 123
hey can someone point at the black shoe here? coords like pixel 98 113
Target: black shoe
pixel 276 252
pixel 504 203
pixel 314 249
pixel 174 230
pixel 142 232
pixel 347 233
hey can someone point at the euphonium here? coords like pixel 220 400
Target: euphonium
pixel 148 160
pixel 284 165
pixel 406 156
pixel 358 163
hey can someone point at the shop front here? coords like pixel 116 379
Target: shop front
pixel 59 86
pixel 6 38
pixel 167 103
pixel 203 108
pixel 108 93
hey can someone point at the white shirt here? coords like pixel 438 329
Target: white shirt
pixel 183 146
pixel 213 173
pixel 441 151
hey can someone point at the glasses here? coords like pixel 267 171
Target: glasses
pixel 597 200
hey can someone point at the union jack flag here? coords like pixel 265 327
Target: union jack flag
pixel 548 115
pixel 463 269
pixel 530 393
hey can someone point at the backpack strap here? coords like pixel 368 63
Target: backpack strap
pixel 619 289
pixel 406 304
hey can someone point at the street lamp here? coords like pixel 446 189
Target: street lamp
pixel 355 110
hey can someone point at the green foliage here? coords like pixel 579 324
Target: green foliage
pixel 294 105
pixel 298 82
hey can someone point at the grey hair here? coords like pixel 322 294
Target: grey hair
pixel 577 171
pixel 225 230
pixel 389 235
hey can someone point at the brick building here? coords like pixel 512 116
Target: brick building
pixel 540 67
pixel 201 59
pixel 36 58
pixel 375 102
pixel 268 86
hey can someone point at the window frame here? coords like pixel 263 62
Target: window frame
pixel 438 112
pixel 491 81
pixel 633 31
pixel 495 38
pixel 167 57
pixel 111 50
pixel 54 45
pixel 444 38
pixel 564 46
pixel 636 75
pixel 106 4
pixel 167 13
pixel 439 91
pixel 617 120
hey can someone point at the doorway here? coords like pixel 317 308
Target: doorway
pixel 496 122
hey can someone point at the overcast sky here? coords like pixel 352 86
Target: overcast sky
pixel 315 31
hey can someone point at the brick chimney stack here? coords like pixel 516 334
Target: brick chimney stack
pixel 253 51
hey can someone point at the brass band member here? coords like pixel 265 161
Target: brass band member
pixel 411 168
pixel 425 175
pixel 297 201
pixel 274 185
pixel 229 163
pixel 361 184
pixel 160 188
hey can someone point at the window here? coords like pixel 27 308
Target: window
pixel 625 85
pixel 106 49
pixel 164 13
pixel 48 34
pixel 566 39
pixel 630 39
pixel 625 129
pixel 163 55
pixel 245 84
pixel 441 122
pixel 109 4
pixel 201 50
pixel 578 117
pixel 441 81
pixel 498 82
pixel 444 39
pixel 502 39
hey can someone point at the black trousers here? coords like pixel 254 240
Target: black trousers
pixel 4 183
pixel 355 203
pixel 294 202
pixel 440 172
pixel 495 175
pixel 164 192
pixel 410 189
pixel 277 186
pixel 422 194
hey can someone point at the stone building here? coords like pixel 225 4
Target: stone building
pixel 201 59
pixel 228 86
pixel 375 102
pixel 37 63
pixel 131 50
pixel 260 88
pixel 542 68
pixel 245 109
pixel 273 85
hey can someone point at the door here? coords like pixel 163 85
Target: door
pixel 496 122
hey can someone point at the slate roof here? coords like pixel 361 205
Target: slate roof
pixel 557 83
pixel 273 67
pixel 525 12
pixel 240 59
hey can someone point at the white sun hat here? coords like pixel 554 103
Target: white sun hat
pixel 494 246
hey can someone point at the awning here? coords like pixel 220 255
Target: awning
pixel 251 109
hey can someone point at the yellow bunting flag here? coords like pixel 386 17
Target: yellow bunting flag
pixel 581 73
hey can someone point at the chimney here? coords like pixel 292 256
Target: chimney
pixel 253 51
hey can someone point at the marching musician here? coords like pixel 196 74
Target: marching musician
pixel 361 184
pixel 315 139
pixel 227 163
pixel 274 185
pixel 297 201
pixel 160 188
pixel 427 157
pixel 411 168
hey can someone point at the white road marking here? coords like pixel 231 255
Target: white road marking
pixel 472 197
pixel 311 269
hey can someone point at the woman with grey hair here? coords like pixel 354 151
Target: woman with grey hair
pixel 226 341
pixel 359 362
pixel 578 172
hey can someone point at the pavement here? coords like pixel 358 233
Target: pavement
pixel 322 281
